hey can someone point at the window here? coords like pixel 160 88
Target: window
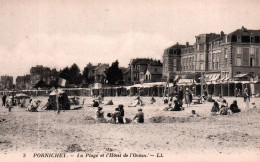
pixel 201 66
pixel 171 51
pixel 239 61
pixel 257 39
pixel 155 69
pixel 245 39
pixel 174 61
pixel 239 50
pixel 252 50
pixel 246 58
pixel 252 39
pixel 252 60
pixel 234 38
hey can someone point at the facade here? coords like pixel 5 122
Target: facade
pixel 153 74
pixel 217 56
pixel 138 68
pixel 6 82
pixel 23 82
pixel 39 73
pixel 172 60
pixel 99 73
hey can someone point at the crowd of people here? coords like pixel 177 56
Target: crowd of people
pixel 177 102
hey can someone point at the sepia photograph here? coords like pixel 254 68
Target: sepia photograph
pixel 136 80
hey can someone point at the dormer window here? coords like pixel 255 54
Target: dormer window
pixel 234 38
pixel 171 51
pixel 246 39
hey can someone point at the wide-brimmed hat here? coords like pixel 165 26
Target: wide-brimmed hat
pixel 100 108
pixel 120 106
pixel 140 109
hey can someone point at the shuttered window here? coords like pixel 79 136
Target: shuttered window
pixel 245 57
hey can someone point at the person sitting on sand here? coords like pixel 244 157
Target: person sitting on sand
pixel 224 104
pixel 165 101
pixel 168 108
pixel 224 110
pixel 136 102
pixel 110 102
pixel 194 114
pixel 210 99
pixel 198 100
pixel 95 103
pixel 176 107
pixel 116 117
pixel 220 99
pixel 234 108
pixel 33 106
pixel 99 99
pixel 139 117
pixel 215 108
pixel 99 113
pixel 152 100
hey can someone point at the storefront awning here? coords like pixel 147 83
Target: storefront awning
pixel 241 75
pixel 186 82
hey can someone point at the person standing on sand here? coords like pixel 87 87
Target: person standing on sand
pixel 187 97
pixel 246 98
pixel 3 100
pixel 180 96
pixel 122 113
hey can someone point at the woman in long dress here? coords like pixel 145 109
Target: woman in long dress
pixel 246 98
pixel 187 97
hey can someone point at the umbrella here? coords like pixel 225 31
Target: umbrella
pixel 21 95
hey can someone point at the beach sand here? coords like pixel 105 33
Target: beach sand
pixel 174 133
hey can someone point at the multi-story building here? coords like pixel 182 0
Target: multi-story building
pixel 39 73
pixel 218 56
pixel 138 68
pixel 99 73
pixel 172 60
pixel 6 82
pixel 23 82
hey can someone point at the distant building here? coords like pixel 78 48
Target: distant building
pixel 6 82
pixel 153 73
pixel 23 82
pixel 172 60
pixel 218 56
pixel 37 73
pixel 99 73
pixel 138 68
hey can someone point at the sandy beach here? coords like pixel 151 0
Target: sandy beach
pixel 172 133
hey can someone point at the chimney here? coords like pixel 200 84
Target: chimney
pixel 221 33
pixel 187 44
pixel 243 29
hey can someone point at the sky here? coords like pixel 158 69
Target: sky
pixel 58 33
